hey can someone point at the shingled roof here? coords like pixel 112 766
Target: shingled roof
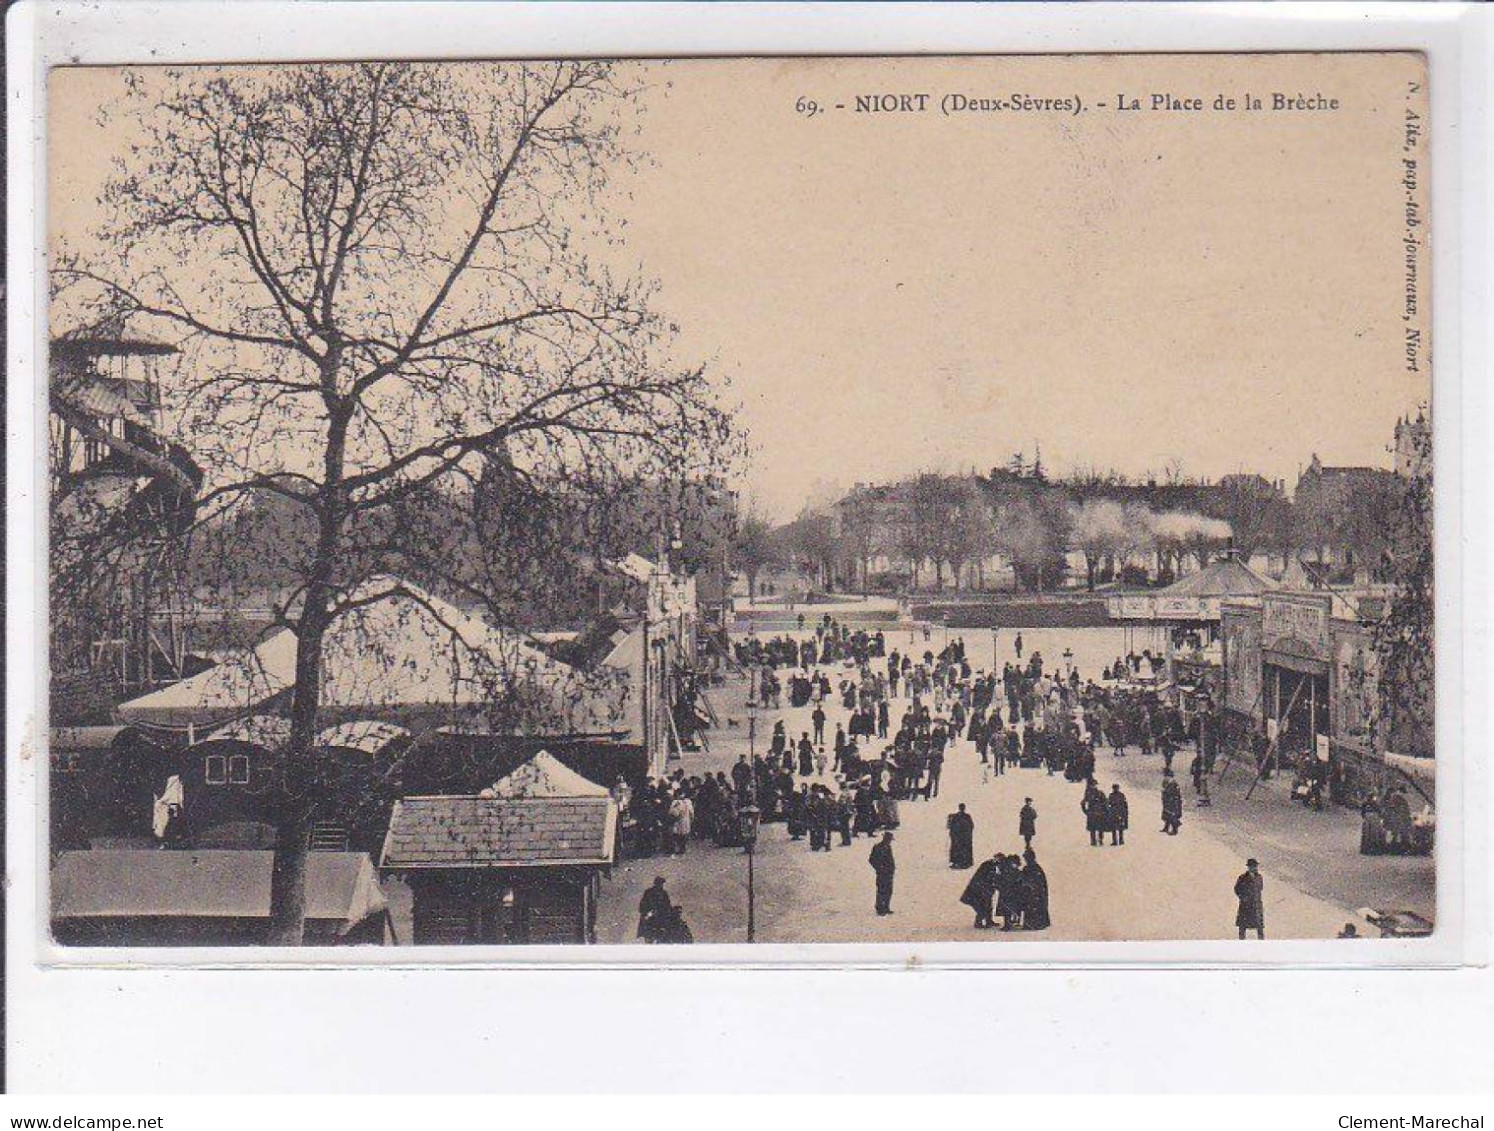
pixel 495 832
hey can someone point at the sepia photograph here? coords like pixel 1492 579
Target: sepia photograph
pixel 978 500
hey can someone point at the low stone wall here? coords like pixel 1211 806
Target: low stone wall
pixel 1033 612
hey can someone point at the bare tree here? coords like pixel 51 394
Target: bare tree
pixel 1405 637
pixel 1099 528
pixel 1257 511
pixel 1032 530
pixel 809 542
pixel 969 531
pixel 928 504
pixel 375 274
pixel 755 548
pixel 863 528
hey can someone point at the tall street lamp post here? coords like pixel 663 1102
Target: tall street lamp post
pixel 750 815
pixel 752 724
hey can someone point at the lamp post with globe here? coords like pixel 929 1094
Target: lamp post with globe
pixel 749 818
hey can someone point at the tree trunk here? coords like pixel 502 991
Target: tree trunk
pixel 297 773
pixel 293 821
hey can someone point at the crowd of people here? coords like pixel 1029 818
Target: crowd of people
pixel 882 722
pixel 1023 717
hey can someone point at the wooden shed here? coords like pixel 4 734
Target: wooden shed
pixel 494 869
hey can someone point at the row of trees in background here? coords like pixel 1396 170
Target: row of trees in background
pixel 935 530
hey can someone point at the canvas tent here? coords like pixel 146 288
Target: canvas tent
pixel 404 651
pixel 1194 598
pixel 364 735
pixel 256 730
pixel 544 775
pixel 210 896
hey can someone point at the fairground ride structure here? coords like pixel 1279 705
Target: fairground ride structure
pixel 122 498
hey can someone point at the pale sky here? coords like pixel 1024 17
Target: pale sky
pixel 895 292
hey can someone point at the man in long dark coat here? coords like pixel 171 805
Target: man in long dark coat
pixel 1096 813
pixel 743 780
pixel 654 909
pixel 980 892
pixel 1172 804
pixel 961 838
pixel 1120 814
pixel 884 864
pixel 936 771
pixel 1250 890
pixel 1034 894
pixel 1027 822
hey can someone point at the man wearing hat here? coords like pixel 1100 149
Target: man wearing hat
pixel 1120 814
pixel 653 912
pixel 1027 822
pixel 1250 891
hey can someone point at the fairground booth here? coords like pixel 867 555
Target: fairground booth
pixel 1190 612
pixel 418 696
pixel 1301 672
pixel 518 862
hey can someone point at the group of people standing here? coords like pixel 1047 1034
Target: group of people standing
pixel 1013 887
pixel 1010 888
pixel 1105 813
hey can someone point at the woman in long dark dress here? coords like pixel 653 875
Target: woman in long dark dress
pixel 1034 894
pixel 798 813
pixel 866 812
pixel 806 757
pixel 961 839
pixel 1371 827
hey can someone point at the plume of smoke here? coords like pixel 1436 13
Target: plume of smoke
pixel 1185 526
pixel 1106 526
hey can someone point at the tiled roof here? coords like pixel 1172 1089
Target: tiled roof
pixel 479 832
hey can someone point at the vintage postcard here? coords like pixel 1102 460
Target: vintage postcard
pixel 980 500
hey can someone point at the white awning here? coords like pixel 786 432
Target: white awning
pixel 366 735
pixel 405 649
